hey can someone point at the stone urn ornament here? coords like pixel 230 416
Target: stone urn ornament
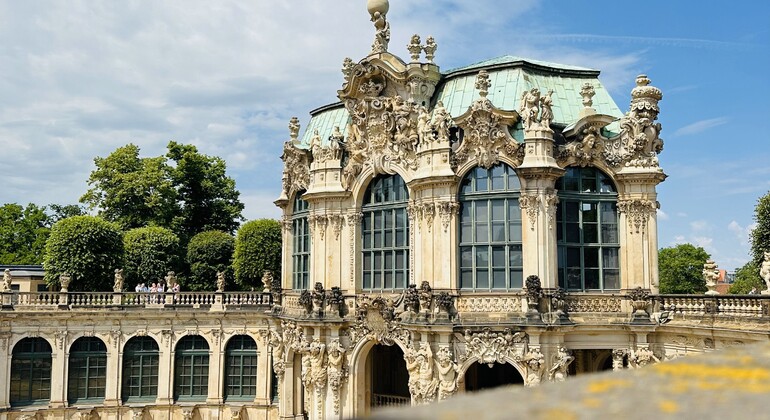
pixel 64 280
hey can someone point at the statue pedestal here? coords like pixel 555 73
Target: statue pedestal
pixel 765 292
pixel 7 301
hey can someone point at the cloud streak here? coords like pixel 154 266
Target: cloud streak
pixel 700 126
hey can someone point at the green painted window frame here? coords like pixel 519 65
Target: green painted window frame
pixel 587 235
pixel 191 369
pixel 385 235
pixel 490 234
pixel 87 371
pixel 300 254
pixel 240 369
pixel 141 361
pixel 31 364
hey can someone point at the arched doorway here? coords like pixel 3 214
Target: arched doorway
pixel 482 376
pixel 387 376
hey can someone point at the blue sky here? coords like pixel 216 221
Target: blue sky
pixel 80 78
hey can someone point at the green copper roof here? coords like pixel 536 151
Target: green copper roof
pixel 510 59
pixel 510 76
pixel 324 119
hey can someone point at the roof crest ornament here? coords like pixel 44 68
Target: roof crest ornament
pixel 378 9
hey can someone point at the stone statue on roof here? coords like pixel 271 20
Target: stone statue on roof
pixel 7 278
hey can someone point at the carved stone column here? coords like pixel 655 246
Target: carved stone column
pixel 638 231
pixel 216 368
pixel 5 361
pixel 166 369
pixel 59 370
pixel 538 206
pixel 114 362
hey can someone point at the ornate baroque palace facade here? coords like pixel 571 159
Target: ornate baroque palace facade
pixel 443 232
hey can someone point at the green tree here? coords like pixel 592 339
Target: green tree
pixel 57 212
pixel 681 269
pixel 150 252
pixel 87 248
pixel 185 191
pixel 760 236
pixel 130 190
pixel 207 197
pixel 23 232
pixel 257 248
pixel 746 278
pixel 208 253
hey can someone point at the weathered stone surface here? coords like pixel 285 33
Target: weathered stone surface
pixel 733 383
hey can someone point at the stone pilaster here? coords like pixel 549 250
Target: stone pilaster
pixel 166 370
pixel 637 210
pixel 538 202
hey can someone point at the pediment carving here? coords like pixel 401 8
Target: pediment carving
pixel 485 131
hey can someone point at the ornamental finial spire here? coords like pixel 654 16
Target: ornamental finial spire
pixel 377 10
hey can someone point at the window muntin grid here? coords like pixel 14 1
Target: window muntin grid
pixel 87 373
pixel 30 372
pixel 490 229
pixel 191 369
pixel 300 254
pixel 140 370
pixel 385 234
pixel 587 231
pixel 241 368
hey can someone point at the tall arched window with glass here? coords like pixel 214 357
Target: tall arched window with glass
pixel 141 356
pixel 87 374
pixel 30 372
pixel 191 369
pixel 490 229
pixel 587 231
pixel 385 234
pixel 241 368
pixel 300 253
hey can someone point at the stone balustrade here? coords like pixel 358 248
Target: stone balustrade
pixel 464 304
pixel 72 300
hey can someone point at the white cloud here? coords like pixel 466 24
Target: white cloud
pixel 80 79
pixel 742 234
pixel 700 126
pixel 699 225
pixel 662 215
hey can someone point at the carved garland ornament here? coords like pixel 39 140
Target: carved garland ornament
pixel 494 347
pixel 531 204
pixel 637 213
pixel 485 127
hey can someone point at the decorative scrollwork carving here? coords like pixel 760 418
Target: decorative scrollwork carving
pixel 486 130
pixel 637 213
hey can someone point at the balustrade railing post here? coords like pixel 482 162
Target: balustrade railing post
pixel 7 302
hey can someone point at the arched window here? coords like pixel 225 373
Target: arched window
pixel 490 229
pixel 385 231
pixel 191 369
pixel 587 231
pixel 241 368
pixel 30 372
pixel 140 370
pixel 87 373
pixel 300 253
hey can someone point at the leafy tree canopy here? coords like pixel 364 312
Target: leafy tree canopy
pixel 131 191
pixel 23 232
pixel 747 278
pixel 208 253
pixel 185 191
pixel 87 248
pixel 760 236
pixel 150 253
pixel 206 196
pixel 681 269
pixel 257 248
